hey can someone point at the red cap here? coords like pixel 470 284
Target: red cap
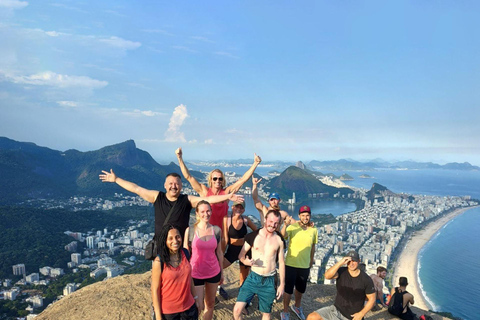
pixel 304 209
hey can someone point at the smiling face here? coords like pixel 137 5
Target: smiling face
pixel 173 186
pixel 353 265
pixel 382 274
pixel 174 240
pixel 204 212
pixel 216 179
pixel 304 218
pixel 272 222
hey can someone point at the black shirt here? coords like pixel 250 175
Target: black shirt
pixel 352 291
pixel 180 216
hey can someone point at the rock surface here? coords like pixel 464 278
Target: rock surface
pixel 128 297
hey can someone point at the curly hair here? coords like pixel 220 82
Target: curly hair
pixel 162 250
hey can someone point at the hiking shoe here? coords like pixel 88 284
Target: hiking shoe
pixel 285 316
pixel 298 311
pixel 223 293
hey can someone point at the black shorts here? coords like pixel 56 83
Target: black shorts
pixel 296 277
pixel 201 282
pixel 232 252
pixel 189 314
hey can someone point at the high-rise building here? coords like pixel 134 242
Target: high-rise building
pixel 76 258
pixel 90 242
pixel 19 269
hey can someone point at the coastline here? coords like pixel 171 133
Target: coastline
pixel 407 263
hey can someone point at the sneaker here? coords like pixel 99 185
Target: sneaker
pixel 298 311
pixel 223 293
pixel 285 316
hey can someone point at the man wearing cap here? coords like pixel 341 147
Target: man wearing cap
pixel 302 238
pixel 273 202
pixel 353 287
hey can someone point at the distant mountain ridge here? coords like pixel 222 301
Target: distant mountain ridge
pixel 31 171
pixel 347 164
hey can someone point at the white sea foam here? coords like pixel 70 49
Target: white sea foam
pixel 429 302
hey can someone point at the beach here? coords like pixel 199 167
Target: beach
pixel 407 263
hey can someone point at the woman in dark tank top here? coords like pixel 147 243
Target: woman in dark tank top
pixel 234 230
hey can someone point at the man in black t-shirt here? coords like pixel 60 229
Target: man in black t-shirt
pixel 353 286
pixel 164 201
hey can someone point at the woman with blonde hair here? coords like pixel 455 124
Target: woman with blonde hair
pixel 204 242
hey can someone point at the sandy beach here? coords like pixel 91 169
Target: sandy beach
pixel 407 262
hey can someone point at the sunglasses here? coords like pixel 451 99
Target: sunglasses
pixel 217 178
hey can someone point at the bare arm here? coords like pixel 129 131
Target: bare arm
pixel 215 199
pixel 312 254
pixel 201 189
pixel 147 195
pixel 156 285
pixel 237 185
pixel 332 272
pixel 281 270
pixel 367 307
pixel 256 200
pixel 225 229
pixel 185 240
pixel 241 256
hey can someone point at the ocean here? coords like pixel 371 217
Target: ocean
pixel 449 263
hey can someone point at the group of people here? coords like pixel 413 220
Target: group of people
pixel 188 271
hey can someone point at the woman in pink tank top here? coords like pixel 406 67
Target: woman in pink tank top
pixel 203 239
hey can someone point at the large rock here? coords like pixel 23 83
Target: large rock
pixel 128 297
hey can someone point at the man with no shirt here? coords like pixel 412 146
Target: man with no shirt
pixel 267 246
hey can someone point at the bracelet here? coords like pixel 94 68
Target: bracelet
pixel 195 298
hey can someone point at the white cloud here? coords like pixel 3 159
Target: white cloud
pixel 68 104
pixel 208 141
pixel 120 43
pixel 158 31
pixel 13 4
pixel 55 33
pixel 173 134
pixel 52 79
pixel 226 54
pixel 203 39
pixel 147 113
pixel 183 48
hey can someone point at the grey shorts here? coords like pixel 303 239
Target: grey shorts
pixel 331 313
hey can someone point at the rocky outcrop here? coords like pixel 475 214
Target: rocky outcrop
pixel 128 297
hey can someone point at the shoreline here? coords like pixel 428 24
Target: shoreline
pixel 407 263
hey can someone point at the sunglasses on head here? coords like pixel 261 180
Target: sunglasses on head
pixel 217 178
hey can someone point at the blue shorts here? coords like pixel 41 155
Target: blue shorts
pixel 263 287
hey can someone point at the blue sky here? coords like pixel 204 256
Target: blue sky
pixel 288 80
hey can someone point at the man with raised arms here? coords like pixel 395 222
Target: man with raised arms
pixel 353 287
pixel 164 201
pixel 267 247
pixel 273 204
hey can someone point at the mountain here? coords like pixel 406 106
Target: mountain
pixel 348 164
pixel 302 182
pixel 31 171
pixel 378 192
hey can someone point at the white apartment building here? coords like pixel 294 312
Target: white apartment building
pixel 19 269
pixel 76 258
pixel 36 301
pixel 32 277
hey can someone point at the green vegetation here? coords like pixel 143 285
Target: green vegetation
pixel 12 309
pixel 36 237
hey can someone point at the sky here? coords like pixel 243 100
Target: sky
pixel 288 80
